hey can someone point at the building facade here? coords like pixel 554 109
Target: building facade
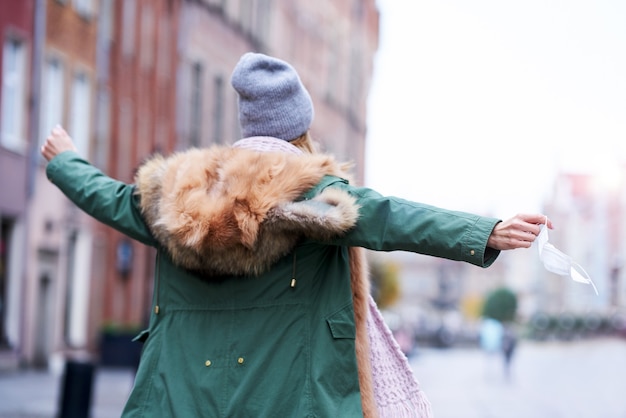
pixel 331 44
pixel 138 91
pixel 56 310
pixel 16 90
pixel 129 79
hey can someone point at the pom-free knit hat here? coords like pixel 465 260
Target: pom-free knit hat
pixel 272 99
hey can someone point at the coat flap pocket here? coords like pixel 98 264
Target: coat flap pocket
pixel 341 323
pixel 142 336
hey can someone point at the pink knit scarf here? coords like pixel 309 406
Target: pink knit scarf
pixel 267 144
pixel 396 390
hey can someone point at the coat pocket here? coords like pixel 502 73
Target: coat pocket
pixel 336 363
pixel 341 323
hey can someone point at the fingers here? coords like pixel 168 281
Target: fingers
pixel 535 219
pixel 58 130
pixel 57 141
pixel 517 232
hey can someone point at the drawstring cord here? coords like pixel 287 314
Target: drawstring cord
pixel 293 272
pixel 156 285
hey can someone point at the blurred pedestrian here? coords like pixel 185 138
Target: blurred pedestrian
pixel 261 303
pixel 491 332
pixel 509 343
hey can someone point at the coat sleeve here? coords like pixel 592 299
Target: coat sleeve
pixel 390 223
pixel 111 202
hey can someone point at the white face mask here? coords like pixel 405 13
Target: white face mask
pixel 559 262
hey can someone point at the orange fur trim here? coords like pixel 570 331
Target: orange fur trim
pixel 224 210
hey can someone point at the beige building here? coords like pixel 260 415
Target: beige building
pixel 591 214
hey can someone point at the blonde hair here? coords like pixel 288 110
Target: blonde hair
pixel 307 144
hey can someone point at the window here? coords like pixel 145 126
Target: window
pixel 195 127
pixel 80 115
pixel 5 228
pixel 13 113
pixel 332 85
pixel 79 256
pixel 356 79
pixel 218 113
pixel 146 50
pixel 143 139
pixel 126 115
pixel 235 118
pixel 245 15
pixel 52 97
pixel 263 18
pixel 128 27
pixel 69 296
pixel 84 7
pixel 102 130
pixel 164 47
pixel 106 20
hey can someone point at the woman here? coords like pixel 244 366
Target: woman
pixel 261 306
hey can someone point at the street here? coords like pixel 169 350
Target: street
pixel 584 379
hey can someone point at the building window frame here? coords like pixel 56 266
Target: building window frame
pixel 129 24
pixel 218 109
pixel 53 96
pixel 80 111
pixel 196 96
pixel 84 8
pixel 13 101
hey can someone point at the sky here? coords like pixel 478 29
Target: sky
pixel 476 105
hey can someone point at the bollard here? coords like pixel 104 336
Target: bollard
pixel 76 389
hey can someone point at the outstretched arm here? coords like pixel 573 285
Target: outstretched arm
pixel 390 223
pixel 112 202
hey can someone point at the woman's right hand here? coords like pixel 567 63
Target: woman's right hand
pixel 57 142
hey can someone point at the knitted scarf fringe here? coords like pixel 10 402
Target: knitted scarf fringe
pixel 410 409
pixel 396 390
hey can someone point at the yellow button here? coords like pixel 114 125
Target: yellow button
pixel 472 252
pixel 207 363
pixel 240 360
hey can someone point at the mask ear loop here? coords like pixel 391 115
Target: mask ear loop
pixel 577 266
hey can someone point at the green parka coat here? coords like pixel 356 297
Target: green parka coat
pixel 259 340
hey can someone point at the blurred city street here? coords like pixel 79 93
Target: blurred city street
pixel 36 394
pixel 583 379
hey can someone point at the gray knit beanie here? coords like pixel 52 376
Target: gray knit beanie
pixel 272 99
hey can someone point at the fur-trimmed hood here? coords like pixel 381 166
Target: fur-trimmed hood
pixel 232 211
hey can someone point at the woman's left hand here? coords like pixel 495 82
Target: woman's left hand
pixel 518 232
